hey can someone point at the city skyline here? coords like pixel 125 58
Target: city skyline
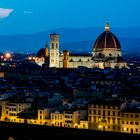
pixel 34 16
pixel 69 68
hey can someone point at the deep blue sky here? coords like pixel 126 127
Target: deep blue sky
pixel 30 16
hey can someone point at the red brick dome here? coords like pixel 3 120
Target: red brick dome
pixel 41 53
pixel 106 40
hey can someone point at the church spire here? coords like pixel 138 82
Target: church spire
pixel 107 28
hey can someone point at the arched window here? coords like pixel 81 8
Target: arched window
pixel 56 46
pixel 52 45
pixel 100 54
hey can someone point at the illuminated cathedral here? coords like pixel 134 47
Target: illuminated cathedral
pixel 106 53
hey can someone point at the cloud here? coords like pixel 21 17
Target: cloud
pixel 28 12
pixel 5 12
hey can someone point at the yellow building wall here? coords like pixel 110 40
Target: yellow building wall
pixel 83 125
pixel 57 119
pixel 104 117
pixel 130 122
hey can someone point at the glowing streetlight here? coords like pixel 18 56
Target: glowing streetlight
pixel 99 126
pixel 30 58
pixel 8 55
pixel 124 128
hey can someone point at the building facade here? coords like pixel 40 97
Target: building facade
pixel 130 118
pixel 10 110
pixel 106 53
pixel 54 50
pixel 105 115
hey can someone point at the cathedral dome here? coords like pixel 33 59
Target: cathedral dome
pixel 107 40
pixel 41 53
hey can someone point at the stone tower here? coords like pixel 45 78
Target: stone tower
pixel 54 50
pixel 65 59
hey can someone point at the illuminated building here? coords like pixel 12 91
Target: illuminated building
pixel 72 118
pixel 106 53
pixel 83 124
pixel 130 118
pixel 57 119
pixel 104 115
pixel 54 50
pixel 11 109
pixel 69 118
pixel 43 115
pixel 42 56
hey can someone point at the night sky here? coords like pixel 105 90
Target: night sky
pixel 29 16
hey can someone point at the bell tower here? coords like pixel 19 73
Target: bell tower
pixel 54 50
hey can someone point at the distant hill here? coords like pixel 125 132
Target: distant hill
pixel 128 45
pixel 73 39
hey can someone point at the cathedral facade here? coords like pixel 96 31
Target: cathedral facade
pixel 106 52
